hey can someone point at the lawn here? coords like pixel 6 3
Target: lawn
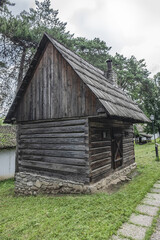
pixel 82 217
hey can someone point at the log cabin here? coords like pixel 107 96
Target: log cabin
pixel 75 125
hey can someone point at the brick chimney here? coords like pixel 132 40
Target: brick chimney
pixel 110 73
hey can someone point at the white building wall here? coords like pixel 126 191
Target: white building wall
pixel 7 163
pixel 156 136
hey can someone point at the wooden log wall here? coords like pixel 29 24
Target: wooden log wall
pixel 55 148
pixel 128 145
pixel 100 155
pixel 99 150
pixel 56 91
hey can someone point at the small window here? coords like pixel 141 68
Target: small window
pixel 104 135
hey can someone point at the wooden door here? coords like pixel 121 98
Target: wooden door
pixel 117 148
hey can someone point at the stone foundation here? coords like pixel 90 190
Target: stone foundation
pixel 33 184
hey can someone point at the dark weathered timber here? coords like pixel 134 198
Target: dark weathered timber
pixel 55 174
pixel 50 146
pixel 53 135
pixel 100 163
pixel 97 150
pixel 17 149
pixel 49 140
pixel 59 160
pixel 60 91
pixel 100 144
pixel 54 166
pixel 55 153
pixel 72 129
pixel 99 157
pixel 54 123
pixel 97 178
pixel 100 170
pixel 55 147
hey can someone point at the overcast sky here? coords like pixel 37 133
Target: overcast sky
pixel 130 27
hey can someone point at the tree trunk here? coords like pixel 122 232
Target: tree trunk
pixel 21 68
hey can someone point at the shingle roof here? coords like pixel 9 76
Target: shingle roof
pixel 114 100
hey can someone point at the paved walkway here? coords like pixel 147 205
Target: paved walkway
pixel 138 224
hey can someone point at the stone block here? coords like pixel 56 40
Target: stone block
pixel 149 210
pixel 38 184
pixel 132 231
pixel 30 184
pixel 155 190
pixel 142 220
pixel 156 185
pixel 155 235
pixel 153 196
pixel 151 202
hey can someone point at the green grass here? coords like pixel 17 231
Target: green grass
pixel 81 217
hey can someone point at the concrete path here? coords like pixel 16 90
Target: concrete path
pixel 140 222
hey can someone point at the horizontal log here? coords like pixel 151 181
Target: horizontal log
pixel 100 156
pixel 128 144
pixel 60 160
pixel 110 124
pixel 97 178
pixel 54 153
pixel 50 146
pixel 54 123
pixel 127 149
pixel 94 151
pixel 53 135
pixel 100 163
pixel 68 129
pixel 128 158
pixel 55 166
pixel 98 137
pixel 100 144
pixel 79 140
pixel 128 153
pixel 100 170
pixel 127 140
pixel 55 174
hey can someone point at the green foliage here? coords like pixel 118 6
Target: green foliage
pixel 94 51
pixel 131 74
pixel 1 121
pixel 136 132
pixel 82 217
pixel 19 37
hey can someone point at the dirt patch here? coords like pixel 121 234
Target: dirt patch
pixel 115 186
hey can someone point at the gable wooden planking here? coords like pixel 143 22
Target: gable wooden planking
pixel 56 91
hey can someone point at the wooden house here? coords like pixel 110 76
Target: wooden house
pixel 74 123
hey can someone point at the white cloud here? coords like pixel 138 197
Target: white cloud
pixel 131 27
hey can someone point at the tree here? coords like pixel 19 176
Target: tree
pixel 131 73
pixel 20 35
pixel 94 51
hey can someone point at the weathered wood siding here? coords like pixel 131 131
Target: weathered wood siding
pixel 100 151
pixel 128 145
pixel 56 91
pixel 55 148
